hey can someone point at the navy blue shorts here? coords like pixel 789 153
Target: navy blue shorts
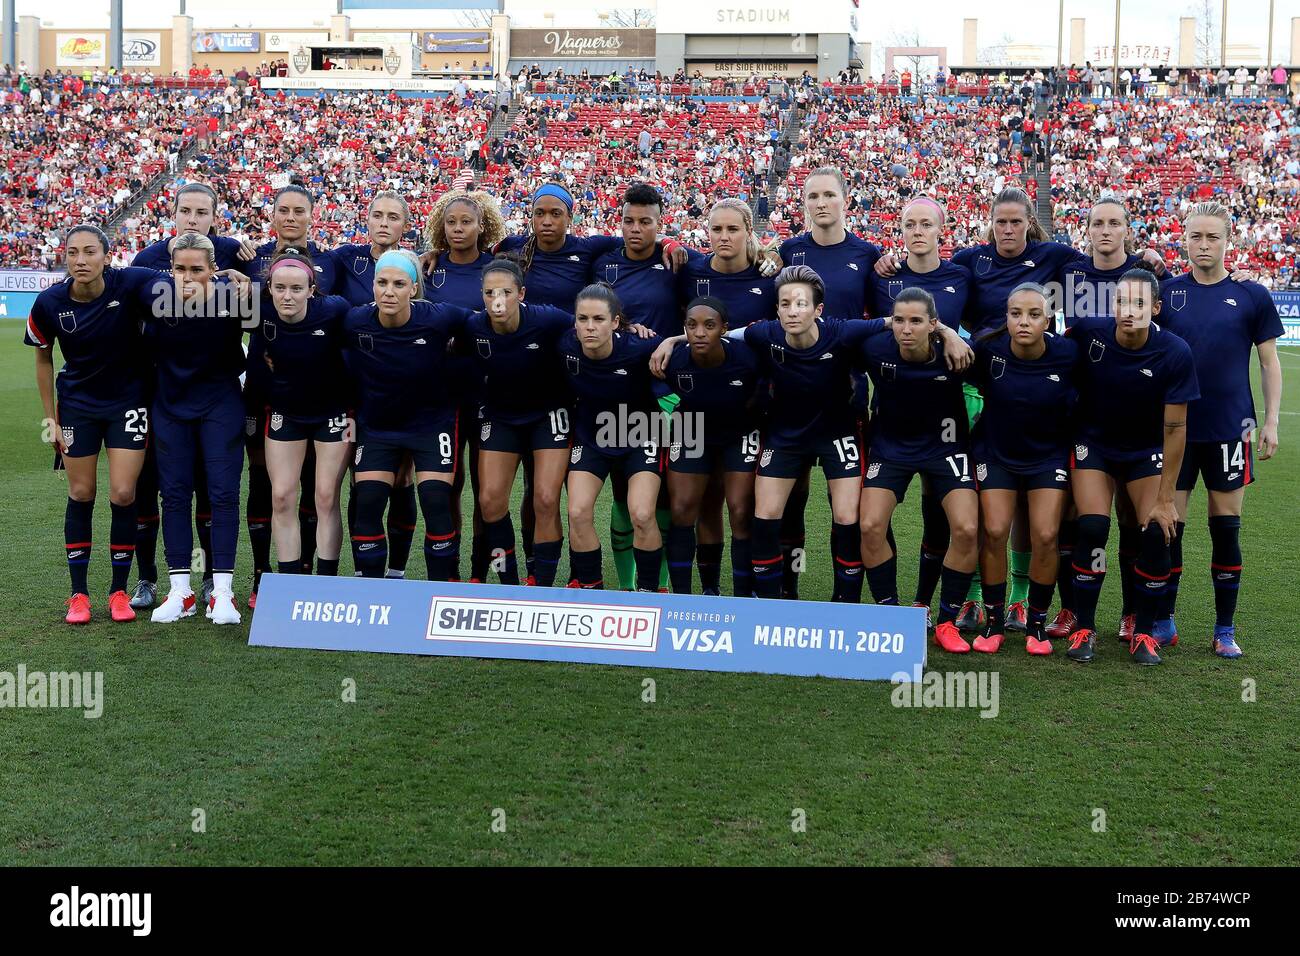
pixel 651 458
pixel 549 431
pixel 945 474
pixel 84 432
pixel 1129 468
pixel 840 457
pixel 434 450
pixel 737 454
pixel 990 475
pixel 1225 466
pixel 281 427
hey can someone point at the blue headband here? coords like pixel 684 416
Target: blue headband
pixel 556 190
pixel 395 260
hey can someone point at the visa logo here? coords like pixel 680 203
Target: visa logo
pixel 706 641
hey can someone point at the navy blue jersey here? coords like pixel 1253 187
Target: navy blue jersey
pixel 613 386
pixel 1123 392
pixel 321 261
pixel 198 349
pixel 1220 323
pixel 1088 292
pixel 308 381
pixel 104 364
pixel 399 374
pixel 918 411
pixel 646 287
pixel 156 256
pixel 811 387
pixel 1026 423
pixel 749 296
pixel 724 396
pixel 354 272
pixel 994 277
pixel 556 278
pixel 520 377
pixel 949 284
pixel 456 283
pixel 845 267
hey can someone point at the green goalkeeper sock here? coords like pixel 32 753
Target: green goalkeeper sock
pixel 976 592
pixel 1019 577
pixel 620 533
pixel 664 518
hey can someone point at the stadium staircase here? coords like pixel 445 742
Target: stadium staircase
pixel 777 173
pixel 1043 172
pixel 497 128
pixel 161 180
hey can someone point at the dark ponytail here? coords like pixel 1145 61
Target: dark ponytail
pixel 604 292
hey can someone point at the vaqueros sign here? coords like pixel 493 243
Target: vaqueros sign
pixel 581 44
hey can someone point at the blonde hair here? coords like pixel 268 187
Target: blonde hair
pixel 1216 209
pixel 390 194
pixel 492 227
pixel 1014 195
pixel 414 260
pixel 193 240
pixel 752 247
pixel 929 201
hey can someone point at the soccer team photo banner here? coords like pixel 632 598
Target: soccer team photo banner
pixel 685 632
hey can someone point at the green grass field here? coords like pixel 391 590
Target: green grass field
pixel 586 772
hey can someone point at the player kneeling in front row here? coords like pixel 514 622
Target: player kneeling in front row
pixel 918 426
pixel 1135 380
pixel 1021 446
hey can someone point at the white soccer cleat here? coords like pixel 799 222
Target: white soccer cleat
pixel 174 608
pixel 222 609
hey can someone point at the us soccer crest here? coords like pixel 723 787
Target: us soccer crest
pixel 250 426
pixel 797 258
pixel 701 287
pixel 356 460
pixel 365 342
pixel 301 60
pixel 778 354
pixel 997 367
pixel 572 364
pixel 392 61
pixel 675 450
pixel 888 370
pixel 268 330
pixel 485 431
pixel 1080 452
pixel 1178 299
pixel 484 348
pixel 895 288
pixel 767 457
pixel 68 436
pixel 277 420
pixel 982 472
pixel 360 264
pixel 1096 349
pixel 575 454
pixel 68 321
pixel 873 469
pixel 611 272
pixel 685 382
pixel 982 265
pixel 438 278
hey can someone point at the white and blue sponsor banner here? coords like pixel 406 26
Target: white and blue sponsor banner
pixel 1288 307
pixel 19 289
pixel 685 632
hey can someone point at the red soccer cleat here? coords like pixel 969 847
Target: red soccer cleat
pixel 1036 647
pixel 949 638
pixel 530 581
pixel 475 580
pixel 1063 626
pixel 1127 627
pixel 987 643
pixel 78 609
pixel 119 607
pixel 252 600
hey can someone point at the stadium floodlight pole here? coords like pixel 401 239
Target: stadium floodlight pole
pixel 1269 57
pixel 1223 35
pixel 115 35
pixel 1060 31
pixel 1114 79
pixel 10 27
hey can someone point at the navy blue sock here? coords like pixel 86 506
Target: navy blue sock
pixel 546 562
pixel 1065 554
pixel 121 546
pixel 882 581
pixel 1088 566
pixel 1225 566
pixel 587 568
pixel 369 544
pixel 1040 601
pixel 1175 572
pixel 647 567
pixel 681 551
pixel 499 542
pixel 327 567
pixel 995 600
pixel 709 559
pixel 953 587
pixel 401 526
pixel 1130 537
pixel 441 542
pixel 935 535
pixel 1151 571
pixel 846 553
pixel 765 556
pixel 78 519
pixel 742 568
